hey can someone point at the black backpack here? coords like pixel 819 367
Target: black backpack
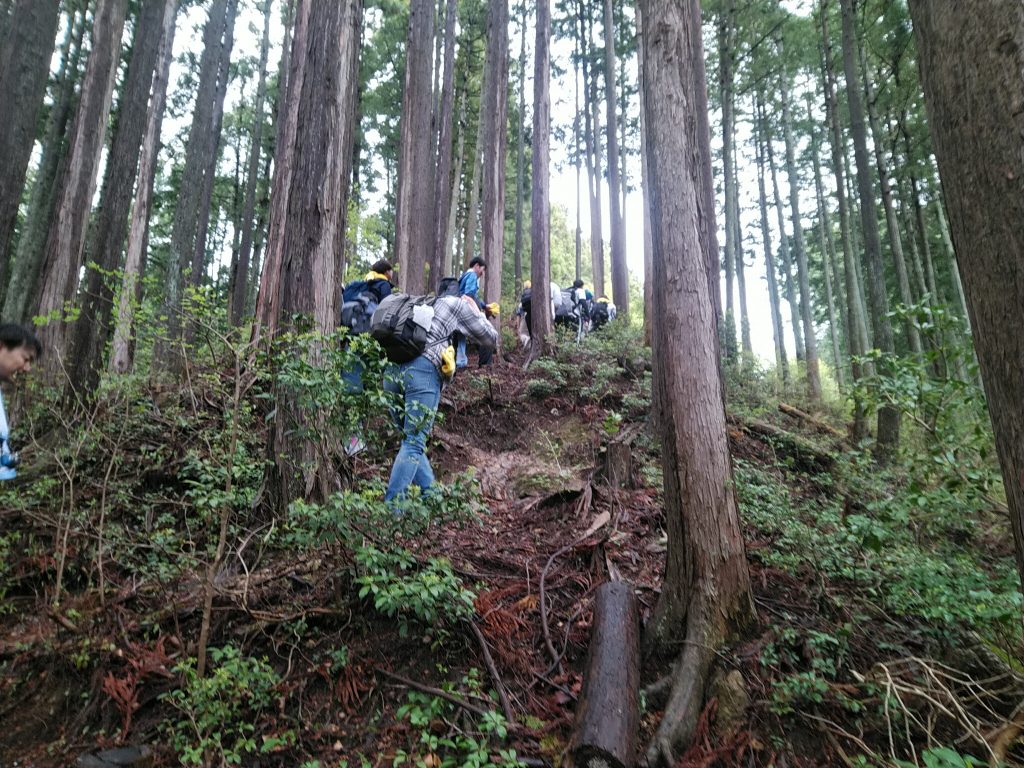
pixel 599 313
pixel 449 286
pixel 394 325
pixel 358 303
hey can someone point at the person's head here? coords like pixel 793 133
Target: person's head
pixel 577 283
pixel 527 285
pixel 384 267
pixel 478 265
pixel 19 348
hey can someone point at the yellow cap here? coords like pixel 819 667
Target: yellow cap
pixel 494 308
pixel 527 284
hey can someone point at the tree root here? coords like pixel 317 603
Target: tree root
pixel 689 679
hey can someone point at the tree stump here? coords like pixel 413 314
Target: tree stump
pixel 608 715
pixel 618 458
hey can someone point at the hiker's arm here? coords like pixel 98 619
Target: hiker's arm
pixel 475 325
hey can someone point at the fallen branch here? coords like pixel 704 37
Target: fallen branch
pixel 805 454
pixel 817 424
pixel 479 712
pixel 506 705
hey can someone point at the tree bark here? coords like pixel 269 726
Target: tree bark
pixel 784 257
pixel 541 321
pixel 608 714
pixel 443 177
pixel 321 157
pixel 978 144
pixel 138 230
pixel 473 200
pixel 106 242
pixel 521 151
pixel 592 127
pixel 494 108
pixel 888 416
pixel 828 250
pixel 857 339
pixel 28 259
pixel 200 162
pixel 620 272
pixel 706 595
pixel 413 204
pixel 800 251
pixel 268 300
pixel 65 241
pixel 891 221
pixel 645 186
pixel 769 259
pixel 24 69
pixel 240 277
pixel 726 44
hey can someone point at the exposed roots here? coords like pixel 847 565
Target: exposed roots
pixel 685 702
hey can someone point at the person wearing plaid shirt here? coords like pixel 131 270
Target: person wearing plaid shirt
pixel 418 384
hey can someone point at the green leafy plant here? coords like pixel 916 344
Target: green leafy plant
pixel 219 713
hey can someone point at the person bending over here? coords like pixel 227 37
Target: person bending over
pixel 418 385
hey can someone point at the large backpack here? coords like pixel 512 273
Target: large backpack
pixel 358 303
pixel 449 286
pixel 599 313
pixel 566 309
pixel 401 324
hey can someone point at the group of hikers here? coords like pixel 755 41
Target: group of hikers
pixel 425 340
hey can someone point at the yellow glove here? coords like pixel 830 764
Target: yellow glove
pixel 448 362
pixel 493 309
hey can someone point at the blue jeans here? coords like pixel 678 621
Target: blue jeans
pixel 419 384
pixel 352 377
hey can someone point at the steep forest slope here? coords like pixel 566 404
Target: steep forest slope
pixel 888 615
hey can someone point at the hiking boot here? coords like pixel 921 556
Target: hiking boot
pixel 354 445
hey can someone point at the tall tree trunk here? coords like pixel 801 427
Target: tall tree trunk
pixel 413 205
pixel 65 241
pixel 106 242
pixel 200 259
pixel 620 272
pixel 17 306
pixel 455 192
pixel 24 68
pixel 706 595
pixel 726 44
pixel 200 160
pixel 473 201
pixel 891 221
pixel 240 277
pixel 291 75
pixel 800 251
pixel 521 150
pixel 592 122
pixel 495 108
pixel 541 321
pixel 443 177
pixel 786 264
pixel 741 281
pixel 778 329
pixel 978 145
pixel 327 40
pixel 857 339
pixel 645 184
pixel 138 230
pixel 888 416
pixel 828 250
pixel 947 242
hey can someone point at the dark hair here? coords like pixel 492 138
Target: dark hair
pixel 477 260
pixel 577 283
pixel 382 267
pixel 13 336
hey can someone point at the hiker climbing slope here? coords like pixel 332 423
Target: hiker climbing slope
pixel 19 348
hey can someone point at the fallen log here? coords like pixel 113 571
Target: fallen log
pixel 608 715
pixel 805 455
pixel 816 424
